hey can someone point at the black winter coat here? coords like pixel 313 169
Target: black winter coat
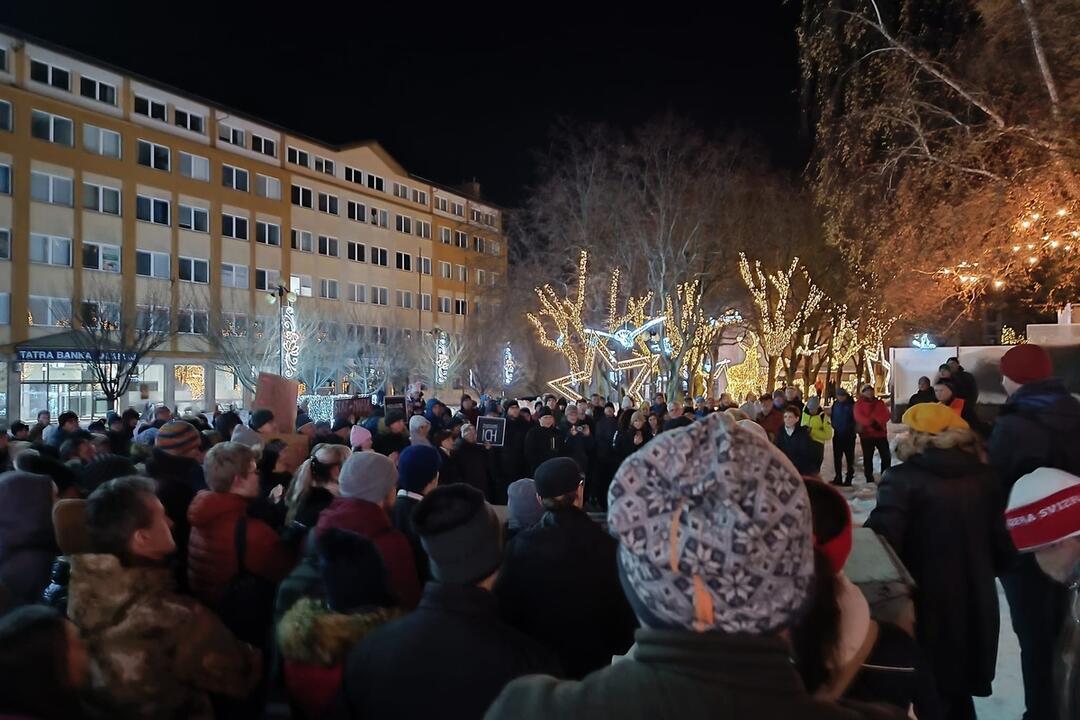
pixel 401 517
pixel 922 396
pixel 576 445
pixel 801 450
pixel 624 441
pixel 559 583
pixel 941 512
pixel 512 464
pixel 178 479
pixel 471 463
pixel 604 436
pixel 449 658
pixel 542 444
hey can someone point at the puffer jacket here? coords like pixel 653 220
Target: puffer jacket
pixel 821 429
pixel 27 542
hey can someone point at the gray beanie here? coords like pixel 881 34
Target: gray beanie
pixel 522 505
pixel 460 533
pixel 367 476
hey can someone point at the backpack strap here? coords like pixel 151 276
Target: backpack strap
pixel 240 542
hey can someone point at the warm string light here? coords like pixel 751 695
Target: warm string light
pixel 777 330
pixel 750 375
pixel 509 366
pixel 1009 336
pixel 193 376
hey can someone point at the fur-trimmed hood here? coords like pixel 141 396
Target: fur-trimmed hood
pixel 311 634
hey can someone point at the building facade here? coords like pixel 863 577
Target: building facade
pixel 130 200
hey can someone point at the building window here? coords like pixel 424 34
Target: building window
pixel 234 324
pixel 328 246
pixel 152 264
pixel 49 311
pixel 52 128
pixel 152 318
pixel 356 211
pixel 101 198
pixel 403 223
pixel 5 244
pixel 419 196
pixel 461 240
pixel 297 157
pixel 101 257
pixel 267 186
pixel 101 141
pixel 194 270
pixel 376 183
pixel 301 196
pixel 300 284
pixel 401 191
pixel 328 289
pixel 379 218
pixel 379 256
pixel 425 301
pixel 423 229
pixel 479 276
pixel 444 270
pixel 380 296
pixel 494 247
pixel 153 210
pixel 478 243
pixel 403 298
pixel 323 165
pixel 444 304
pixel 328 203
pixel 52 189
pixel 234 226
pixel 193 322
pixel 357 293
pixel 194 218
pixel 231 135
pixel 301 240
pixel 104 315
pixel 403 261
pixel 494 279
pixel 442 204
pixel 189 121
pixel 196 167
pixel 234 276
pixel 50 250
pixel 150 108
pixel 153 155
pixel 263 145
pixel 353 175
pixel 5 115
pixel 356 252
pixel 97 90
pixel 444 235
pixel 425 265
pixel 5 308
pixel 57 77
pixel 267 233
pixel 234 177
pixel 457 208
pixel 462 274
pixel 266 279
pixel 461 307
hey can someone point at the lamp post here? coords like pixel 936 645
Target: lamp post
pixel 288 338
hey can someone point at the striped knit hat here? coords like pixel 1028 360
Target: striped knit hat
pixel 178 438
pixel 714 529
pixel 1044 508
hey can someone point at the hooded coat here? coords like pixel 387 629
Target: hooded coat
pixel 27 542
pixel 472 466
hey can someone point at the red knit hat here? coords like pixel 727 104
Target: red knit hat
pixel 1026 363
pixel 1044 508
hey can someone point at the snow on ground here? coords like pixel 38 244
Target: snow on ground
pixel 1007 702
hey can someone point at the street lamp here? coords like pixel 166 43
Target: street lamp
pixel 288 338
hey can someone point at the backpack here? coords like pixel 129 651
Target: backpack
pixel 247 607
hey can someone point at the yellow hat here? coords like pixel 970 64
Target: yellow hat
pixel 932 418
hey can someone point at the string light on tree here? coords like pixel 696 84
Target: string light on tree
pixel 193 376
pixel 509 366
pixel 1009 336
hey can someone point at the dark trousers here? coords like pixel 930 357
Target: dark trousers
pixel 868 447
pixel 1037 607
pixel 843 447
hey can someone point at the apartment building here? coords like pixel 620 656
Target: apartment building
pixel 123 198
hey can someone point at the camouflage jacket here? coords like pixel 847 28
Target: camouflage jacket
pixel 154 653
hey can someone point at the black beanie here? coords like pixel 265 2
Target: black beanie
pixel 102 469
pixel 460 533
pixel 353 572
pixel 39 464
pixel 556 477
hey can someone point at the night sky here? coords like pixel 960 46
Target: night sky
pixel 454 94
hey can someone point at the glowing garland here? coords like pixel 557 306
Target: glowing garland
pixel 442 357
pixel 509 366
pixel 290 341
pixel 749 375
pixel 1011 337
pixel 193 376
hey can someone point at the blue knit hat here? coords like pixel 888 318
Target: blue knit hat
pixel 417 465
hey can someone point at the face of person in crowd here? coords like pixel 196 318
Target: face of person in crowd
pixel 71 425
pixel 766 408
pixel 44 417
pixel 572 414
pixel 22 434
pixel 447 443
pixel 552 403
pixel 469 435
pixel 609 411
pixel 513 412
pixel 467 404
pixel 954 365
pixel 87 452
pixel 397 427
pixel 791 393
pixel 526 415
pixel 638 423
pixel 437 409
pixel 1060 560
pixel 791 419
pixel 945 372
pixel 654 423
pixel 597 401
pixel 943 393
pixel 779 402
pixel 582 407
pixel 659 399
pixel 154 542
pixel 547 421
pixel 725 400
pixel 924 384
pixel 867 393
pixel 750 397
pixel 116 425
pixel 163 413
pixel 246 485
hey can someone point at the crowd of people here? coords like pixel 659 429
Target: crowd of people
pixel 664 560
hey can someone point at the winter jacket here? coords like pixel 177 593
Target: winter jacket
pixel 27 541
pixel 684 675
pixel 624 441
pixel 512 464
pixel 800 449
pixel 314 643
pixel 576 445
pixel 456 643
pixel 966 386
pixel 872 418
pixel 471 464
pixel 559 584
pixel 401 517
pixel 368 519
pixel 212 561
pixel 155 653
pixel 1067 662
pixel 940 511
pixel 542 444
pixel 604 436
pixel 842 417
pixel 922 396
pixel 773 423
pixel 59 436
pixel 177 479
pixel 821 429
pixel 36 431
pixel 387 443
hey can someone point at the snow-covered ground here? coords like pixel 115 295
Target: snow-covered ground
pixel 1007 702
